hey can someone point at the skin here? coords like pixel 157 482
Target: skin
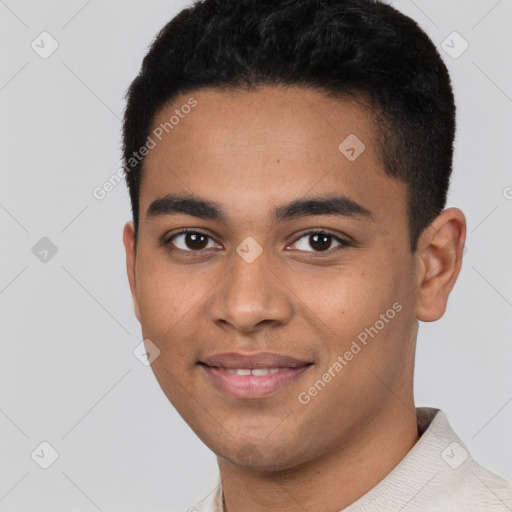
pixel 251 152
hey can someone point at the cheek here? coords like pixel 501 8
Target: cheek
pixel 167 303
pixel 165 293
pixel 363 301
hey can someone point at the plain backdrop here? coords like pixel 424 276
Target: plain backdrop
pixel 68 375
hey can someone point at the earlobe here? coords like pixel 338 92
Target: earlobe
pixel 439 255
pixel 129 245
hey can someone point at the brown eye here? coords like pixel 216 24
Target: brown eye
pixel 320 241
pixel 190 241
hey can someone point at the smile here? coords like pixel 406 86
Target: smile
pixel 256 376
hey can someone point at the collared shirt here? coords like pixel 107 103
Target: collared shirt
pixel 437 475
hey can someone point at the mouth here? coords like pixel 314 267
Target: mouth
pixel 252 376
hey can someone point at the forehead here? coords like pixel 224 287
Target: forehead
pixel 266 146
pixel 294 118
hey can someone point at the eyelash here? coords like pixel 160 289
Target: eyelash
pixel 192 253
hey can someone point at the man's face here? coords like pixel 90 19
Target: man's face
pixel 255 282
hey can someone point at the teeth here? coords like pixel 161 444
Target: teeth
pixel 239 372
pixel 254 371
pixel 264 371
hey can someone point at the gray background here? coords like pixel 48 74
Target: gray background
pixel 68 375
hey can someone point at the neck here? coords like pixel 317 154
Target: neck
pixel 331 481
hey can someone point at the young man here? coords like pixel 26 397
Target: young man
pixel 288 165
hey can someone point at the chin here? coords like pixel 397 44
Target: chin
pixel 259 457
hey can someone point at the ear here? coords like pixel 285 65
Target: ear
pixel 129 246
pixel 439 254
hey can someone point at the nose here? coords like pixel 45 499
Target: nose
pixel 252 296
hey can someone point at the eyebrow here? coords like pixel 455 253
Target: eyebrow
pixel 339 205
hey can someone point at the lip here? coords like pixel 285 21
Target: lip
pixel 252 386
pixel 258 360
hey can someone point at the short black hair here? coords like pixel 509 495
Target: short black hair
pixel 364 49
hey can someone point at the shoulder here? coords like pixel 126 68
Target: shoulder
pixel 459 482
pixel 476 489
